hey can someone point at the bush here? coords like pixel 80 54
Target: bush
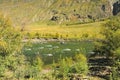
pixel 14 64
pixel 11 58
pixel 81 64
pixel 76 65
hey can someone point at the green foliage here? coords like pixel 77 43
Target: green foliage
pixel 81 66
pixel 11 57
pixel 110 44
pixel 115 74
pixel 14 65
pixel 77 65
pixel 10 38
pixel 34 68
pixel 118 52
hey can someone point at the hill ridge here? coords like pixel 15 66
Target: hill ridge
pixel 58 11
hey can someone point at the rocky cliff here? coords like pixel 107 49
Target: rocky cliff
pixel 116 8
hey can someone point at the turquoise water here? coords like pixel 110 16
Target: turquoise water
pixel 54 51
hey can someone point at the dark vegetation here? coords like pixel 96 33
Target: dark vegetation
pixel 116 8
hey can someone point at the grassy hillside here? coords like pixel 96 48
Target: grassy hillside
pixel 23 12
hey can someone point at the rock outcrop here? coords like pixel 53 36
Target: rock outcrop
pixel 116 8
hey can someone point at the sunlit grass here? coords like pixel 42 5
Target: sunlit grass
pixel 67 31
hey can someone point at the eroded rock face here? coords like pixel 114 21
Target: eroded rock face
pixel 116 7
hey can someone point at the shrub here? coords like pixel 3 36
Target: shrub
pixel 77 65
pixel 14 65
pixel 11 58
pixel 81 64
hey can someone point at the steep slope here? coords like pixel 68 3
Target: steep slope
pixel 24 12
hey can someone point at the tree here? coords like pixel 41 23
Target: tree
pixel 14 65
pixel 110 45
pixel 11 58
